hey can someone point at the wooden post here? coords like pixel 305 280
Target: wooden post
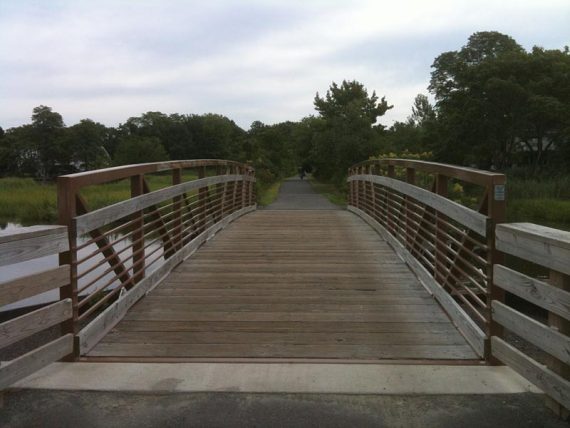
pixel 177 207
pixel 496 210
pixel 440 244
pixel 67 210
pixel 389 221
pixel 137 189
pixel 371 171
pixel 202 201
pixel 562 325
pixel 411 179
pixel 234 190
pixel 243 188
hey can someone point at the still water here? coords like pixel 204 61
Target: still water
pixel 37 265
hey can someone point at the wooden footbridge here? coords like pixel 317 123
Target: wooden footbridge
pixel 412 271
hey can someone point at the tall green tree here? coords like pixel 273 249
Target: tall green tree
pixel 350 133
pixel 47 128
pixel 498 104
pixel 86 140
pixel 133 150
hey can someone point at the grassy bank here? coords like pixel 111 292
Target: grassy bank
pixel 544 201
pixel 267 194
pixel 332 192
pixel 25 201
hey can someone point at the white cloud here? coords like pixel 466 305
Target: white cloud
pixel 250 61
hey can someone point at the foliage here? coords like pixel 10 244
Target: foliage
pixel 266 195
pixel 347 133
pixel 498 104
pixel 132 150
pixel 405 154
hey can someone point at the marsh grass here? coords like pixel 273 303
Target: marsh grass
pixel 27 202
pixel 267 194
pixel 330 191
pixel 544 200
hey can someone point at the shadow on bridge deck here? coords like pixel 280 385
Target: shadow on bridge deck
pixel 289 284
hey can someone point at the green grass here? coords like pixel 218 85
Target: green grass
pixel 267 194
pixel 544 200
pixel 330 191
pixel 27 202
pixel 545 211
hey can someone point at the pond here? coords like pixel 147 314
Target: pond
pixel 42 263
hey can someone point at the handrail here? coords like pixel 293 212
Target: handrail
pixel 469 175
pixel 449 246
pixel 22 246
pixel 100 176
pixel 132 244
pixel 549 248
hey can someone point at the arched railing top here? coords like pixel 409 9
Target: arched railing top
pixel 470 175
pixel 105 175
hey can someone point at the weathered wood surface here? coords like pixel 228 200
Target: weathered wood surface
pixel 289 284
pixel 96 329
pixel 475 221
pixel 472 332
pixel 543 336
pixel 31 285
pixel 34 360
pixel 25 325
pixel 31 243
pixel 551 383
pixel 538 244
pixel 534 290
pixel 103 216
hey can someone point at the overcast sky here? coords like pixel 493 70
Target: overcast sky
pixel 248 60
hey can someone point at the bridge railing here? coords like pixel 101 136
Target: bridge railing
pixel 119 252
pixel 549 248
pixel 20 251
pixel 450 246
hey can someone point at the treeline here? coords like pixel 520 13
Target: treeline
pixel 496 106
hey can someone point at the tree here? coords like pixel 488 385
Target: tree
pixel 422 111
pixel 172 131
pixel 86 141
pixel 46 131
pixel 349 133
pixel 495 102
pixel 133 150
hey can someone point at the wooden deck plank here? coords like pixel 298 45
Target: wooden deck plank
pixel 247 350
pixel 289 284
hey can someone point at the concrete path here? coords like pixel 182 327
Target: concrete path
pixel 86 409
pixel 280 378
pixel 297 194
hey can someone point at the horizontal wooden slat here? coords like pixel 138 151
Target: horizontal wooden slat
pixel 103 216
pixel 542 245
pixel 342 338
pixel 470 330
pixel 31 362
pixel 32 285
pixel 94 331
pixel 23 326
pixel 546 338
pixel 538 292
pixel 283 351
pixel 551 383
pixel 475 221
pixel 32 242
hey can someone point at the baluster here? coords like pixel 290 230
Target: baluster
pixel 177 207
pixel 440 240
pixel 138 231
